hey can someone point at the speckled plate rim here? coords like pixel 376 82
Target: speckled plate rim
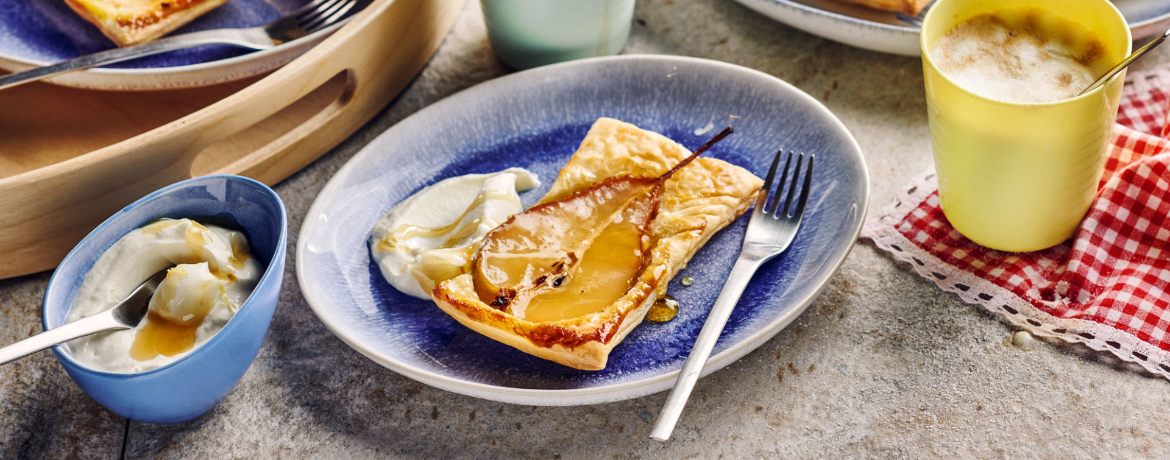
pixel 186 76
pixel 842 17
pixel 901 40
pixel 601 394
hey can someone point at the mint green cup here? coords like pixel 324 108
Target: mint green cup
pixel 532 33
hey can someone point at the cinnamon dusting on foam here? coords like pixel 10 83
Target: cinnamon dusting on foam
pixel 1023 56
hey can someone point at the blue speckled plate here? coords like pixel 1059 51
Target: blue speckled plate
pixel 39 32
pixel 898 33
pixel 536 119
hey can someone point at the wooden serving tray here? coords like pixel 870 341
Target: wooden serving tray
pixel 71 158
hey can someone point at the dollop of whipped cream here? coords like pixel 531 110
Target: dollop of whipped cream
pixel 211 275
pixel 432 236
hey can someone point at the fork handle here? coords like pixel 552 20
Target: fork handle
pixel 741 273
pixel 206 37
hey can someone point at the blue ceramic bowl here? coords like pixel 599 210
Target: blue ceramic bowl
pixel 195 383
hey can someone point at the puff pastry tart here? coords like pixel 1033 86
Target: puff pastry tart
pixel 693 204
pixel 129 22
pixel 910 7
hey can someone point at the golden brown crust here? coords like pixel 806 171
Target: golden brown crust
pixel 698 201
pixel 910 7
pixel 129 22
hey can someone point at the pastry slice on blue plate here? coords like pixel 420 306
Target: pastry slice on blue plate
pixel 569 278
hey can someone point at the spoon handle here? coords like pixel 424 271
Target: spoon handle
pixel 1127 61
pixel 86 326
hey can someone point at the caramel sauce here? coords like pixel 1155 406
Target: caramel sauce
pixel 428 275
pixel 406 231
pixel 240 256
pixel 159 336
pixel 569 258
pixel 157 226
pixel 575 256
pixel 607 269
pixel 663 310
pixel 196 238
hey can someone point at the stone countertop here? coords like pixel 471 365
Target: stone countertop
pixel 882 365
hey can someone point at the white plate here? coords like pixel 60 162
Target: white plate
pixel 897 33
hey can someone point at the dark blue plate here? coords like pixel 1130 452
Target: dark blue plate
pixel 40 32
pixel 536 119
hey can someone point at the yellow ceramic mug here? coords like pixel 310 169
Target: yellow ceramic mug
pixel 1020 177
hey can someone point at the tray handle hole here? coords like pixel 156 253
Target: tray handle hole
pixel 262 142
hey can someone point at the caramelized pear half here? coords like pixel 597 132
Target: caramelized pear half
pixel 575 256
pixel 568 258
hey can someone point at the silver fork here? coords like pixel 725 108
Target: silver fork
pixel 769 233
pixel 316 15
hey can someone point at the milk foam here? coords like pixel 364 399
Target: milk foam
pixel 993 58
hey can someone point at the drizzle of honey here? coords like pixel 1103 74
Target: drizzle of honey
pixel 663 310
pixel 240 255
pixel 196 238
pixel 607 269
pixel 570 258
pixel 159 336
pixel 407 231
pixel 158 226
pixel 457 231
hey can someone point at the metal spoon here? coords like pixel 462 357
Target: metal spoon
pixel 1127 61
pixel 125 315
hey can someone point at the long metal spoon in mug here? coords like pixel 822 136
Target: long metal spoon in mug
pixel 1127 61
pixel 127 314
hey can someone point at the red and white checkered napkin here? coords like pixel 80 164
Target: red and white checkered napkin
pixel 1108 287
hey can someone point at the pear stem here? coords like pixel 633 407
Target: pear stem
pixel 699 151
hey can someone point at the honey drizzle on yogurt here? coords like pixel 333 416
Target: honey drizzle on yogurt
pixel 196 239
pixel 240 255
pixel 162 336
pixel 157 226
pixel 159 336
pixel 407 231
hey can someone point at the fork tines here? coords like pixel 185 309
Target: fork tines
pixel 766 206
pixel 319 13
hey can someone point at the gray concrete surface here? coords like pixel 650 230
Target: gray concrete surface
pixel 883 365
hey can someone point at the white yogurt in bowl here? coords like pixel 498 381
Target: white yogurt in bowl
pixel 211 273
